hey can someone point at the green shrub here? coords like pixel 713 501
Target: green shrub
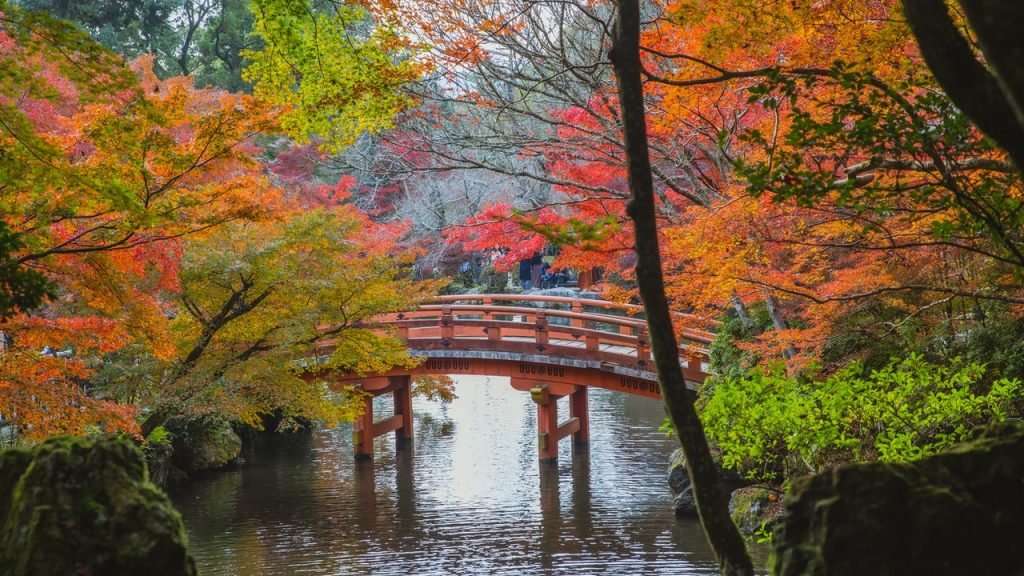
pixel 767 423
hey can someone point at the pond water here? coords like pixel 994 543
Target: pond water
pixel 468 498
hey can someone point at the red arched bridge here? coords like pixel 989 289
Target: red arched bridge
pixel 552 347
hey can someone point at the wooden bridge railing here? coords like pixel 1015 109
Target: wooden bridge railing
pixel 559 326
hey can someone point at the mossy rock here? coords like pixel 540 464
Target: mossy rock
pixel 754 508
pixel 86 507
pixel 684 504
pixel 201 445
pixel 956 513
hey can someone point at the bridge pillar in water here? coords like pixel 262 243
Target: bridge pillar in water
pixel 549 431
pixel 578 409
pixel 366 429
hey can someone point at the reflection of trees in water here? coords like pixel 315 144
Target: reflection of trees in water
pixel 246 516
pixel 429 426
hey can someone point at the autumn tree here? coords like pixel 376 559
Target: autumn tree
pixel 704 475
pixel 257 297
pixel 104 169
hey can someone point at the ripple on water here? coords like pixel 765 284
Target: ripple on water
pixel 469 498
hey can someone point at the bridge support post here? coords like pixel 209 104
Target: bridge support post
pixel 362 432
pixel 547 427
pixel 366 429
pixel 578 409
pixel 403 407
pixel 549 431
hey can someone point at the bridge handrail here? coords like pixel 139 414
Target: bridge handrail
pixel 638 326
pixel 577 305
pixel 629 308
pixel 448 323
pixel 612 329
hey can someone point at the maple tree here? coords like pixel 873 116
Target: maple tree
pixel 257 297
pixel 337 76
pixel 138 200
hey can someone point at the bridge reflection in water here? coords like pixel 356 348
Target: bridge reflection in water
pixel 552 347
pixel 468 499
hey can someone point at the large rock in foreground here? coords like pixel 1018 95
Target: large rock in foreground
pixel 957 513
pixel 72 506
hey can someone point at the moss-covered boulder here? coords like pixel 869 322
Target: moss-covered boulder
pixel 73 506
pixel 960 512
pixel 754 508
pixel 162 470
pixel 203 444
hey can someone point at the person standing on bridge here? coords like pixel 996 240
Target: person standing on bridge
pixel 524 274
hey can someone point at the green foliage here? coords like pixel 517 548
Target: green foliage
pixel 727 357
pixel 129 27
pixel 767 422
pixel 201 38
pixel 764 533
pixel 493 281
pixel 334 80
pixel 160 436
pixel 220 45
pixel 20 288
pixel 997 341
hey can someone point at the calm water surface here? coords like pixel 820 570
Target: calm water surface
pixel 469 498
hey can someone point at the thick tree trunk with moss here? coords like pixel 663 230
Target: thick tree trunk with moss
pixel 712 505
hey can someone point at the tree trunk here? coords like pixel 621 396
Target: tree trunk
pixel 742 312
pixel 712 506
pixel 778 321
pixel 984 98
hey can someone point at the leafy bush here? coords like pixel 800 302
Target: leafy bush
pixel 160 436
pixel 768 423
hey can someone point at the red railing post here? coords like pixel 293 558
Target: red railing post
pixel 541 329
pixel 447 324
pixel 577 307
pixel 488 301
pixel 643 345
